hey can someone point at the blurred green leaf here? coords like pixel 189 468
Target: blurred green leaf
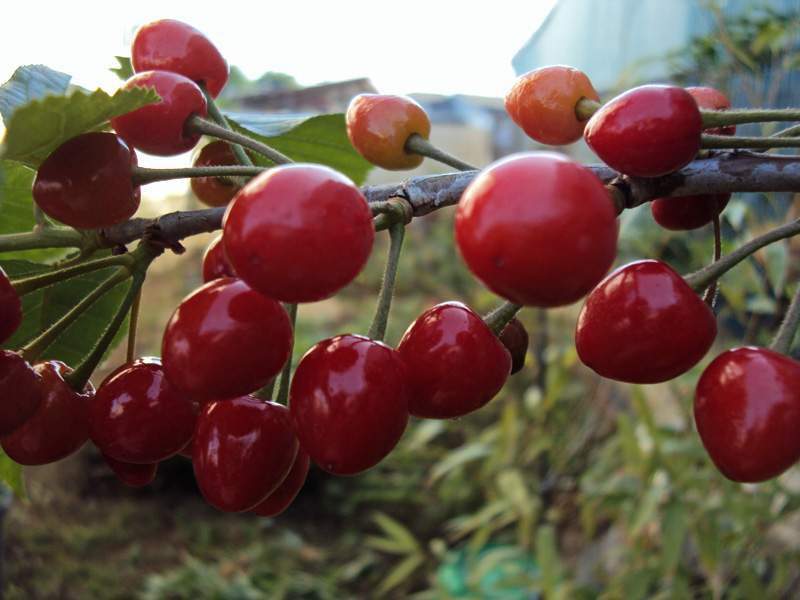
pixel 397 539
pixel 400 573
pixel 125 69
pixel 11 474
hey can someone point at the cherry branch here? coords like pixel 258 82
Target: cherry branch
pixel 719 173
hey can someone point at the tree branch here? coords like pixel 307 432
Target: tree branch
pixel 721 172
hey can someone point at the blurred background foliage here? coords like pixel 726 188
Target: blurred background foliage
pixel 565 486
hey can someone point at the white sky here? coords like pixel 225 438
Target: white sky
pixel 403 47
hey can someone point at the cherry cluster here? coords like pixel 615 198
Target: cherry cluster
pixel 537 228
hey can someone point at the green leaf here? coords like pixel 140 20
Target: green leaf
pixel 30 83
pixel 402 540
pixel 402 572
pixel 42 125
pixel 125 69
pixel 320 139
pixel 44 307
pixel 11 474
pixel 16 210
pixel 673 526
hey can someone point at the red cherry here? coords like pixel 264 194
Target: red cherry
pixel 215 263
pixel 225 340
pixel 542 102
pixel 214 191
pixel 747 411
pixel 86 182
pixel 537 228
pixel 138 417
pixel 349 403
pixel 648 131
pixel 243 449
pixel 158 128
pixel 59 427
pixel 21 392
pixel 10 308
pixel 455 363
pixel 644 324
pixel 279 500
pixel 134 475
pixel 683 213
pixel 169 45
pixel 298 233
pixel 379 125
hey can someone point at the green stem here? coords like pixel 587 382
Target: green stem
pixel 711 291
pixel 762 143
pixel 133 326
pixel 286 374
pixel 216 114
pixel 788 329
pixel 501 316
pixel 198 125
pixel 47 237
pixel 377 330
pixel 36 348
pixel 36 282
pixel 145 255
pixel 416 144
pixel 585 108
pixel 143 175
pixel 702 278
pixel 721 118
pixel 788 132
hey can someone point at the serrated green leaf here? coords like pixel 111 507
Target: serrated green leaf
pixel 125 69
pixel 44 307
pixel 11 474
pixel 42 125
pixel 320 139
pixel 30 83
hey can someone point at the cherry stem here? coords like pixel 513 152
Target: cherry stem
pixel 386 213
pixel 711 291
pixel 585 108
pixel 196 124
pixel 36 348
pixel 46 237
pixel 36 282
pixel 143 175
pixel 788 329
pixel 215 113
pixel 416 144
pixel 145 254
pixel 501 316
pixel 377 330
pixel 763 143
pixel 286 374
pixel 133 326
pixel 721 118
pixel 702 278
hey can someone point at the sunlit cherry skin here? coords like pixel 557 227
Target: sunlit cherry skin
pixel 379 125
pixel 60 425
pixel 349 403
pixel 648 131
pixel 542 102
pixel 225 340
pixel 298 233
pixel 243 449
pixel 747 411
pixel 158 128
pixel 214 191
pixel 21 392
pixel 684 213
pixel 10 308
pixel 137 416
pixel 455 363
pixel 537 228
pixel 644 324
pixel 169 45
pixel 134 475
pixel 279 500
pixel 515 339
pixel 86 182
pixel 215 263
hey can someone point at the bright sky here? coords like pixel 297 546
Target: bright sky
pixel 403 47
